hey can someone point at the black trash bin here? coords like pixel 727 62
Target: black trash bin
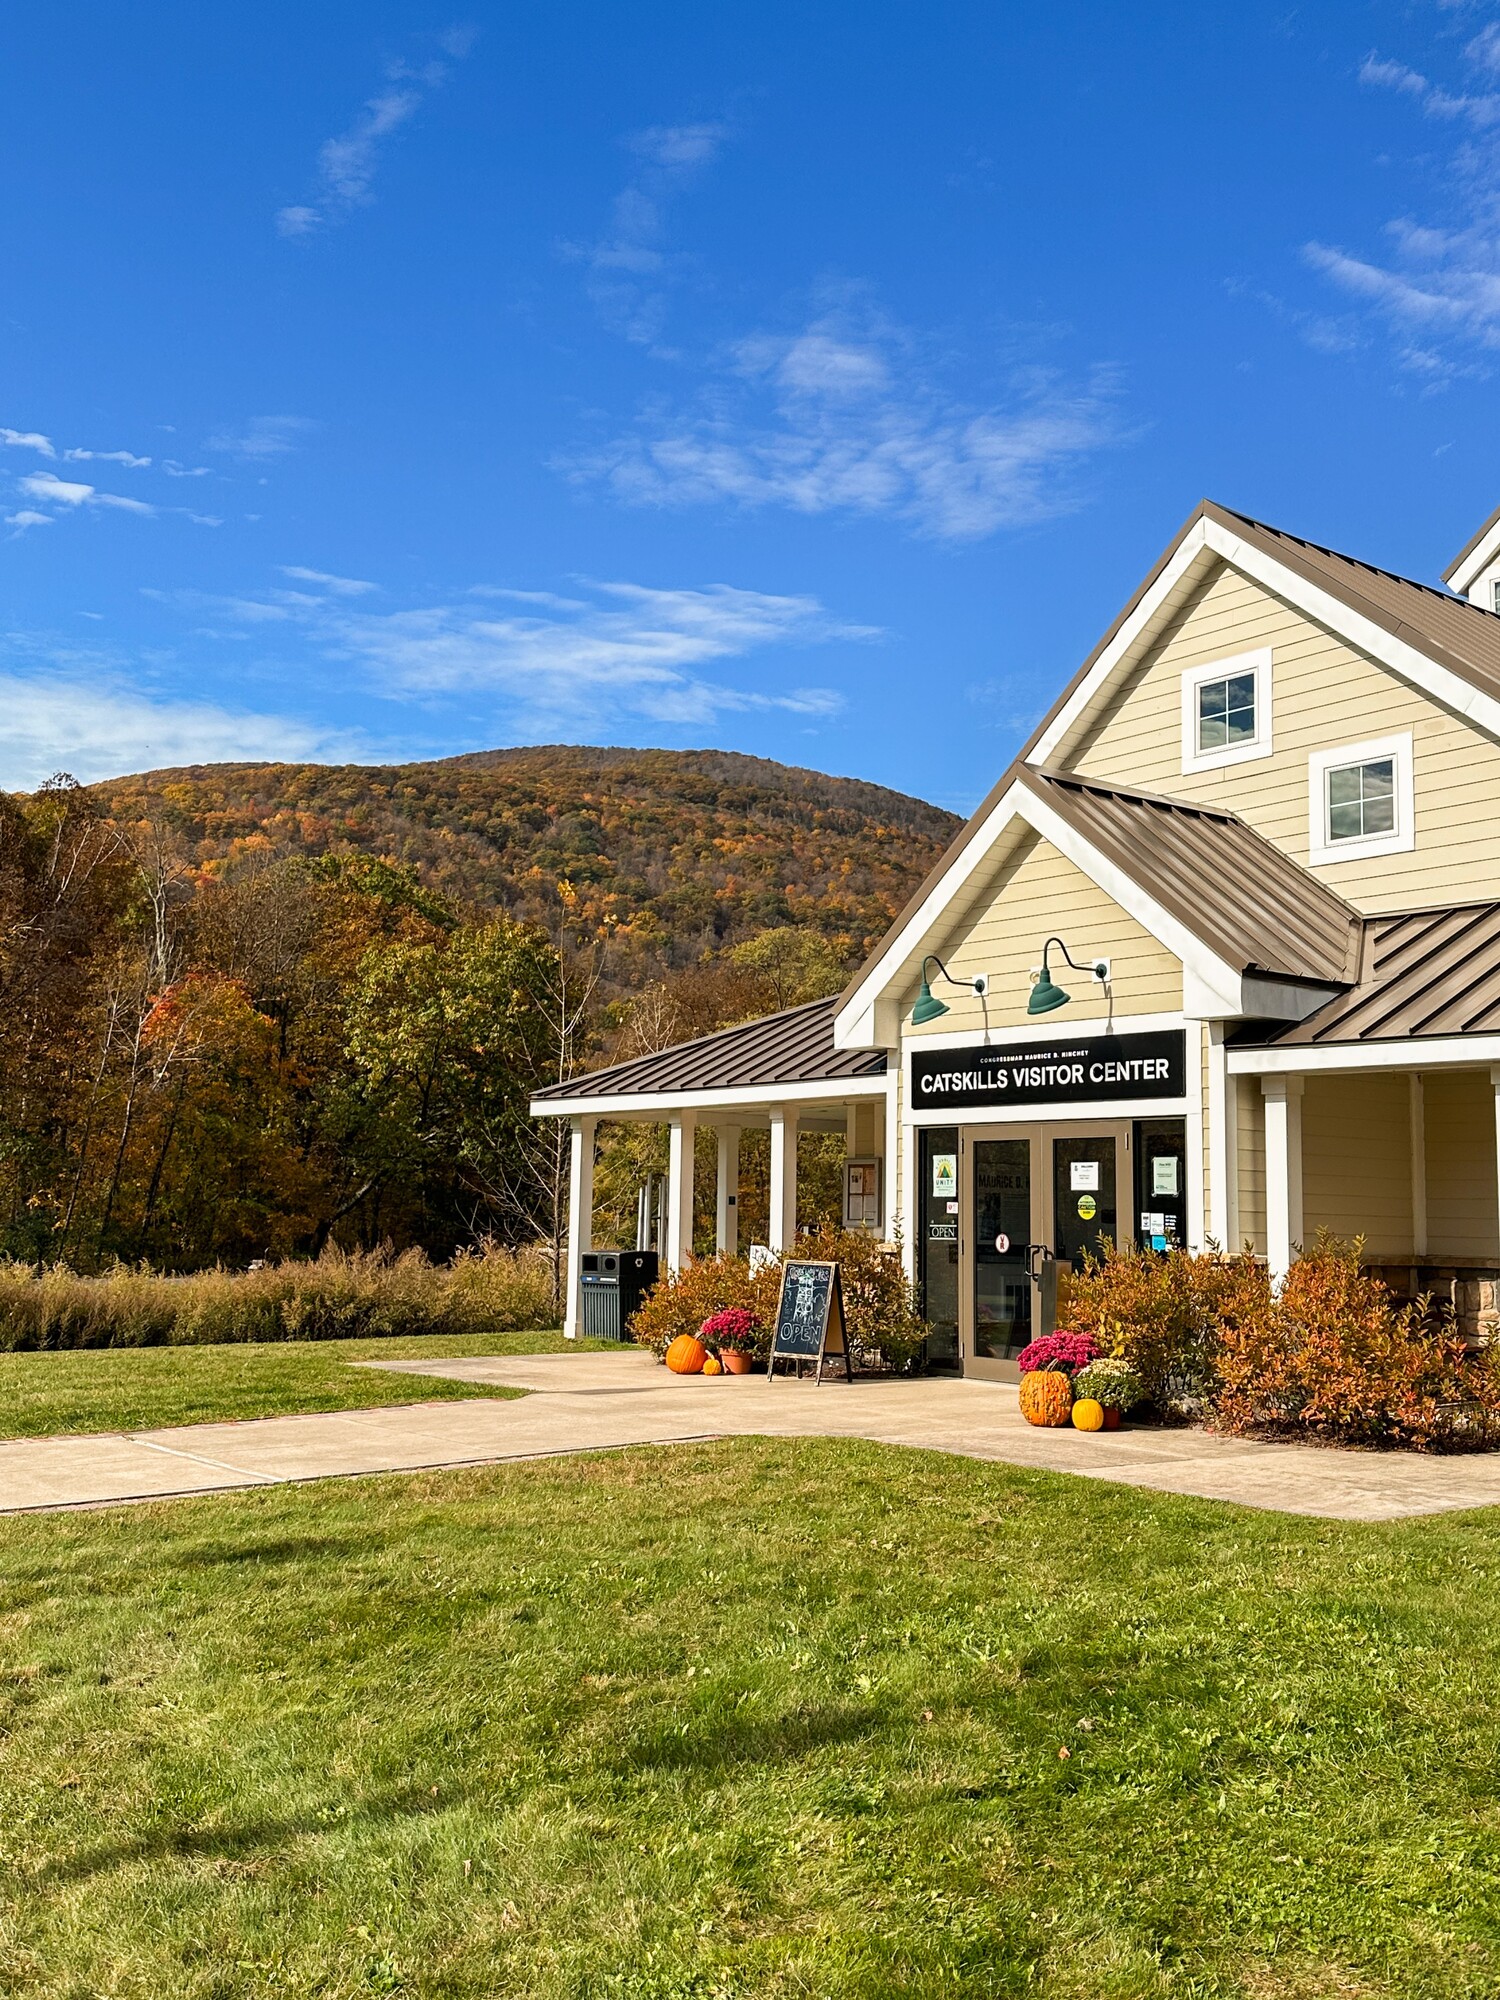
pixel 615 1283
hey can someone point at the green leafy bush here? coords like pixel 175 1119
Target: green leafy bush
pixel 1109 1381
pixel 333 1297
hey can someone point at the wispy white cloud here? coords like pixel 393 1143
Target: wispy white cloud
pixel 28 517
pixel 28 441
pixel 341 586
pixel 258 439
pixel 106 457
pixel 47 487
pixel 567 665
pixel 1436 287
pixel 95 725
pixel 630 272
pixel 347 163
pixel 839 418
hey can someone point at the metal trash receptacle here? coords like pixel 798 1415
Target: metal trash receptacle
pixel 614 1285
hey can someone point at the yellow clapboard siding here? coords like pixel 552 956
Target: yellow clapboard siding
pixel 1035 894
pixel 1250 1158
pixel 1324 694
pixel 1356 1161
pixel 1459 1115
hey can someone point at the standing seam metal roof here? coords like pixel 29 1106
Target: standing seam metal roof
pixel 1429 973
pixel 1233 889
pixel 794 1046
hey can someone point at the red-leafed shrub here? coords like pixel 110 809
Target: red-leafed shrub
pixel 1061 1353
pixel 1162 1311
pixel 1331 1355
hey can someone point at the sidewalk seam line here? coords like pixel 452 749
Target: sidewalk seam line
pixel 198 1458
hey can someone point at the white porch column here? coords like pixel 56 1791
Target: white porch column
pixel 1284 1231
pixel 683 1130
pixel 1417 1116
pixel 727 1212
pixel 580 1220
pixel 783 1230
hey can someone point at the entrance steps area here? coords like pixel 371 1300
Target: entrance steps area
pixel 602 1402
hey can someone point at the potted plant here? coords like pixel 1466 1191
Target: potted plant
pixel 1047 1367
pixel 734 1335
pixel 1110 1383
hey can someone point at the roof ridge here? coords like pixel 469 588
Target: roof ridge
pixel 1439 591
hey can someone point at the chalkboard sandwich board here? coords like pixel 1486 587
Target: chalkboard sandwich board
pixel 810 1323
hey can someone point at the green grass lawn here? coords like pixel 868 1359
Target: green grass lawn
pixel 142 1388
pixel 751 1718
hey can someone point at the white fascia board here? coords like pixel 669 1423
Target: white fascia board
pixel 1402 659
pixel 1058 1114
pixel 756 1096
pixel 1156 600
pixel 1461 577
pixel 1432 1052
pixel 1044 1028
pixel 859 1019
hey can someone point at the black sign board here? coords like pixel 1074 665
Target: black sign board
pixel 809 1317
pixel 1093 1069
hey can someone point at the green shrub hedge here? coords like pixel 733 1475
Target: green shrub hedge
pixel 338 1296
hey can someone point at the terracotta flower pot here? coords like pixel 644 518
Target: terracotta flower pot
pixel 736 1364
pixel 1111 1418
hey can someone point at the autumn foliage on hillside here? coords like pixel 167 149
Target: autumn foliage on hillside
pixel 678 853
pixel 251 1012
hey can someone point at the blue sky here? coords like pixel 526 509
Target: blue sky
pixel 386 381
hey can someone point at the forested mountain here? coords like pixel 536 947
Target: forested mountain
pixel 245 1009
pixel 680 851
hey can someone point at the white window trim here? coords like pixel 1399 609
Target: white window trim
pixel 1257 663
pixel 1321 850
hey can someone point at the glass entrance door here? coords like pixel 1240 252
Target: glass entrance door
pixel 1002 1236
pixel 938 1242
pixel 1083 1196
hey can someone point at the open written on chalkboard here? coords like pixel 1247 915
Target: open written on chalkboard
pixel 810 1322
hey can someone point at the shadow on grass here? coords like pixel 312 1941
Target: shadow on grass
pixel 231 1842
pixel 711 1743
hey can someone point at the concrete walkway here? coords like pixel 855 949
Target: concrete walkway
pixel 596 1402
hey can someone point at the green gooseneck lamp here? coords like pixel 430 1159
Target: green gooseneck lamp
pixel 928 1006
pixel 1047 995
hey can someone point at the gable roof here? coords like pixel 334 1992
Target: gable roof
pixel 1459 639
pixel 794 1046
pixel 1427 972
pixel 1251 905
pixel 1472 557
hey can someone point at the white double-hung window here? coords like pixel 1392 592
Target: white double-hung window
pixel 1360 800
pixel 1226 711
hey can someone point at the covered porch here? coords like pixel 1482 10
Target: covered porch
pixel 781 1075
pixel 1379 1117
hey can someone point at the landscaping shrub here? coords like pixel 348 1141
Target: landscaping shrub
pixel 332 1297
pixel 1161 1311
pixel 681 1303
pixel 1332 1355
pixel 885 1327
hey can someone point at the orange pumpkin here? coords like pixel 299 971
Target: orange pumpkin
pixel 1046 1398
pixel 713 1366
pixel 687 1355
pixel 1088 1415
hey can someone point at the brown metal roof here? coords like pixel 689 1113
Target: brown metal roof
pixel 1450 630
pixel 1241 896
pixel 1427 972
pixel 795 1046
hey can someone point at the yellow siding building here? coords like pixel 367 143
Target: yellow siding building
pixel 1217 961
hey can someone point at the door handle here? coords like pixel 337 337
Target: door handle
pixel 1038 1256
